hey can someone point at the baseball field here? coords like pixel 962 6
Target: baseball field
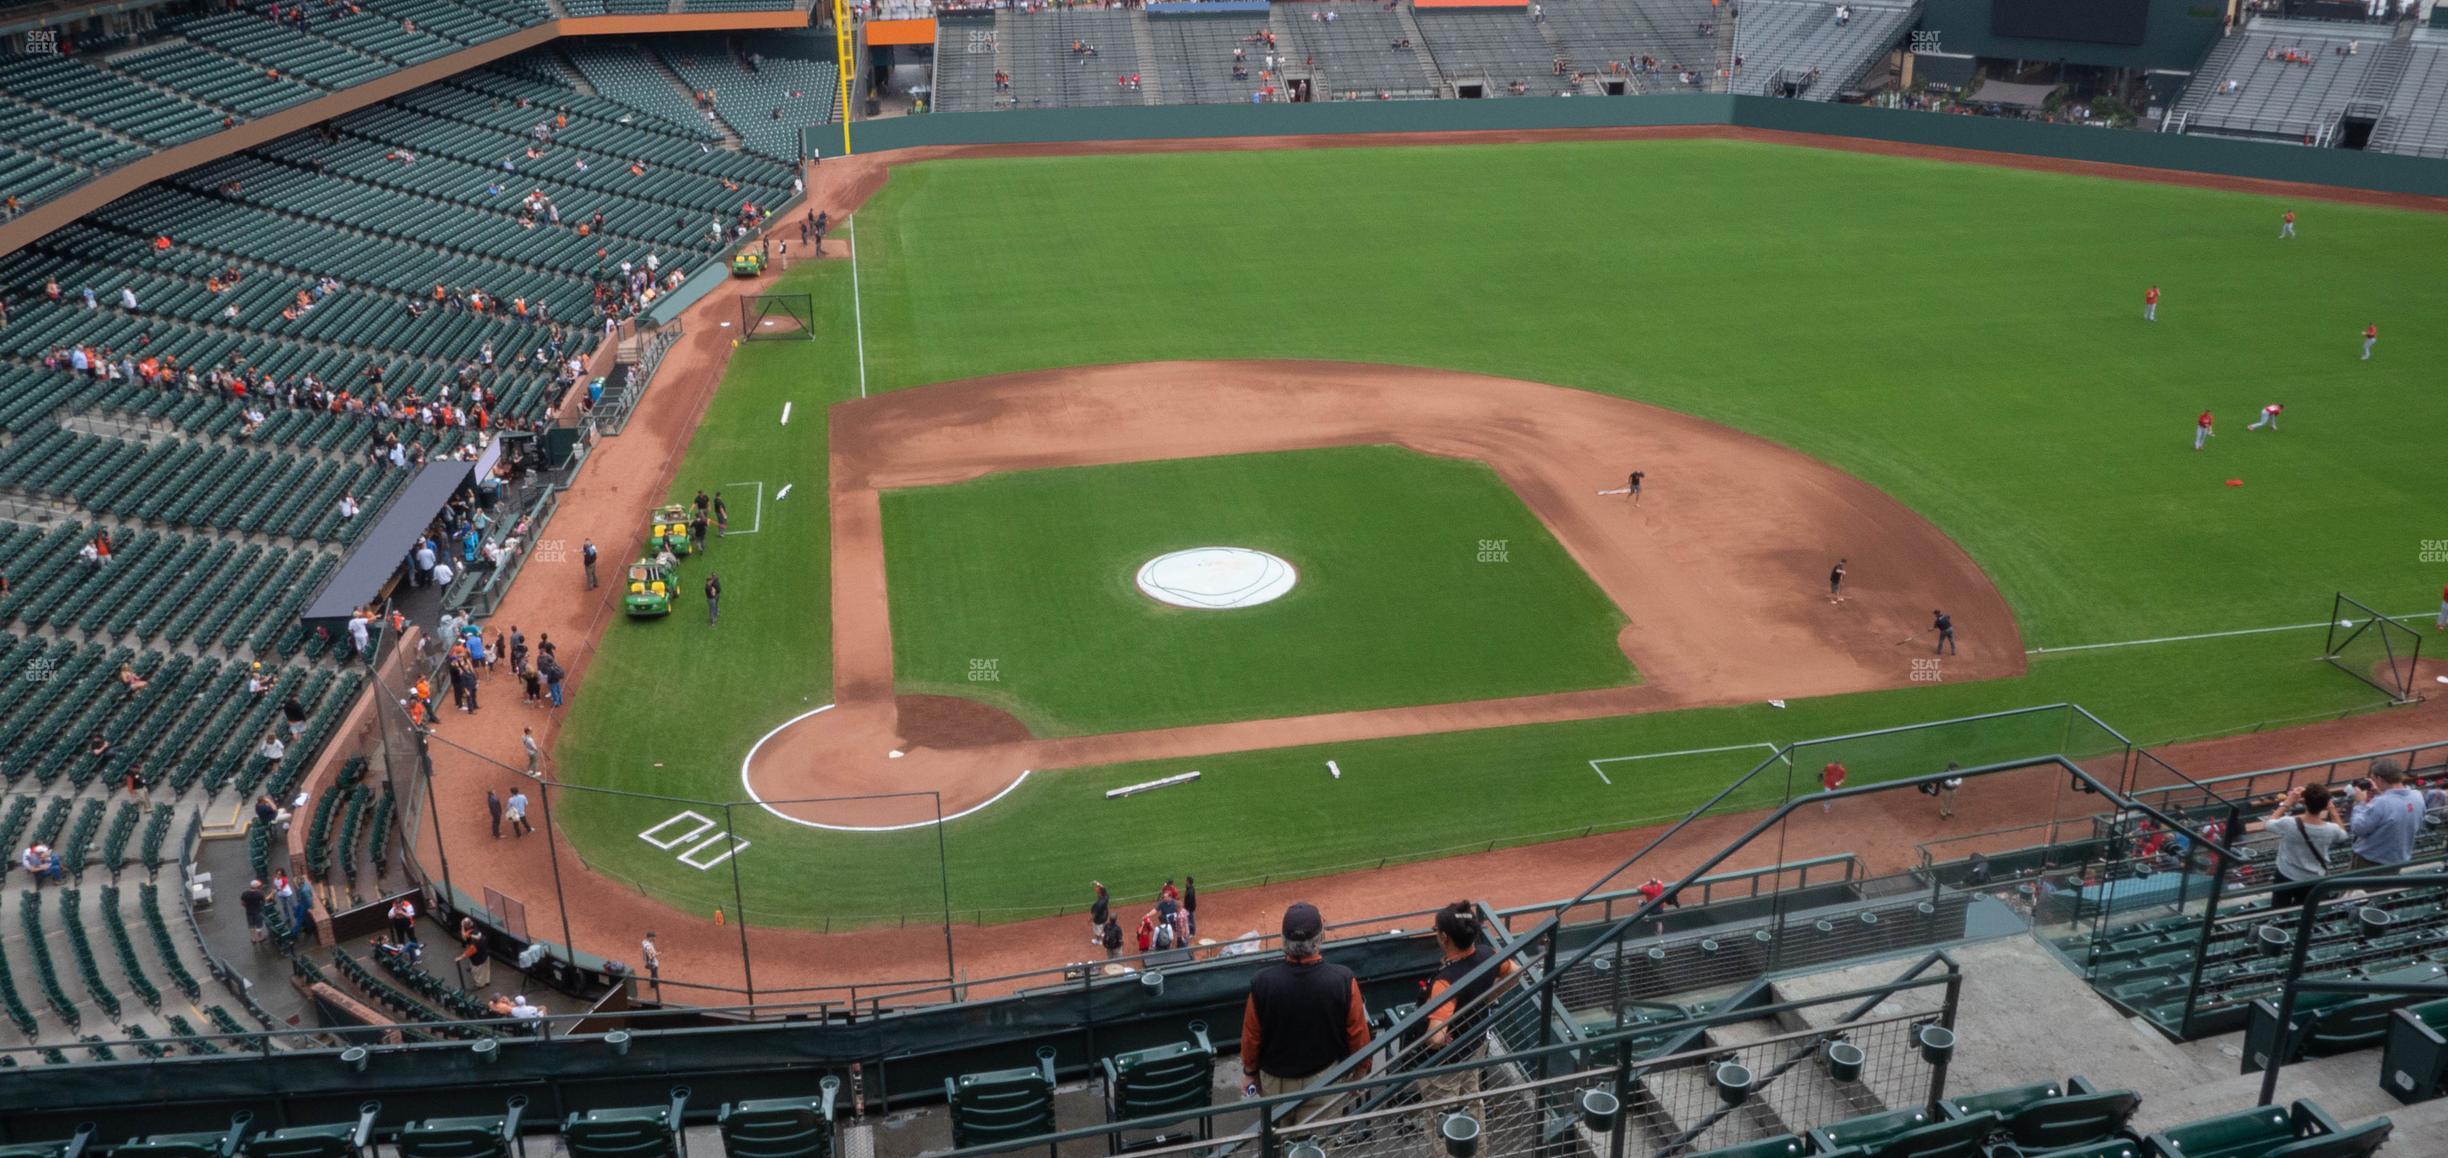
pixel 1409 373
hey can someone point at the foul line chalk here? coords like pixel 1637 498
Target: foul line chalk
pixel 1599 765
pixel 2205 635
pixel 786 413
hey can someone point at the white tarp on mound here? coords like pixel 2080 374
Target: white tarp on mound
pixel 1216 578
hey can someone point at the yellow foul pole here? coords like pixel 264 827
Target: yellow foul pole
pixel 843 38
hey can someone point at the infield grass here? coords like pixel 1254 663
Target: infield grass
pixel 1967 338
pixel 1421 580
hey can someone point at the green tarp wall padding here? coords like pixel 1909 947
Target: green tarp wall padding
pixel 2342 168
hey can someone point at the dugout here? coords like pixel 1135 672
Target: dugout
pixel 372 567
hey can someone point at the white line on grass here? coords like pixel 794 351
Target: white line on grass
pixel 1598 765
pixel 786 413
pixel 2202 635
pixel 858 311
pixel 759 510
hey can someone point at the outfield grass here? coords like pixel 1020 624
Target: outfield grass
pixel 1968 339
pixel 1034 571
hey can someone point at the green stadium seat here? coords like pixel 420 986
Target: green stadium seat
pixel 2051 1115
pixel 1002 1105
pixel 627 1132
pixel 334 1140
pixel 2112 1148
pixel 2304 1131
pixel 495 1136
pixel 71 1147
pixel 1910 1134
pixel 781 1127
pixel 201 1144
pixel 1165 1079
pixel 1781 1146
pixel 2414 1058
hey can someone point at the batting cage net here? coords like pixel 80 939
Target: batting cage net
pixel 777 317
pixel 2372 647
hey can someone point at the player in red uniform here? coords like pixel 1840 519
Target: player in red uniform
pixel 2269 418
pixel 2371 337
pixel 2286 225
pixel 2150 304
pixel 2201 430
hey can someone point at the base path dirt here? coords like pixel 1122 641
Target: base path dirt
pixel 628 474
pixel 1721 566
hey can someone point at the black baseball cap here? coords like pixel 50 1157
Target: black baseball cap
pixel 1302 923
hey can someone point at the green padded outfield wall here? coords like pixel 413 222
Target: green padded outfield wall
pixel 2342 168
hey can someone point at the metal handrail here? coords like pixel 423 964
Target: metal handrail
pixel 2297 984
pixel 1544 935
pixel 1866 998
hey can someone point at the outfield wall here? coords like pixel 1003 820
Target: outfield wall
pixel 2339 168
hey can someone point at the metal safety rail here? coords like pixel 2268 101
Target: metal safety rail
pixel 1525 1016
pixel 1885 1046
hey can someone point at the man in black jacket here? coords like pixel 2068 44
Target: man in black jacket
pixel 1303 1014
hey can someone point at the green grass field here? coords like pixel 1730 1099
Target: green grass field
pixel 1968 339
pixel 1034 571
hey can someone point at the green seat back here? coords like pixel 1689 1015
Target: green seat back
pixel 1781 1146
pixel 65 1148
pixel 479 1137
pixel 779 1128
pixel 1001 1105
pixel 2072 1120
pixel 331 1140
pixel 1958 1138
pixel 2347 1026
pixel 1161 1080
pixel 1870 1130
pixel 2242 1134
pixel 2008 1100
pixel 2112 1148
pixel 2353 1142
pixel 200 1144
pixel 629 1133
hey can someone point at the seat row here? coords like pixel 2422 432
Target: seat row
pixel 795 1127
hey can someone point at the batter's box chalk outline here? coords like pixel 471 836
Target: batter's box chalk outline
pixel 756 517
pixel 1599 765
pixel 704 824
pixel 689 858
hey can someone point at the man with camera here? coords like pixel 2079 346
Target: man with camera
pixel 2387 817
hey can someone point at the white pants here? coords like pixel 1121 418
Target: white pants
pixel 2368 343
pixel 2442 624
pixel 2150 313
pixel 2201 434
pixel 2268 420
pixel 2286 229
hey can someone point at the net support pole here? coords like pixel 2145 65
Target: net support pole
pixel 552 852
pixel 844 47
pixel 739 903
